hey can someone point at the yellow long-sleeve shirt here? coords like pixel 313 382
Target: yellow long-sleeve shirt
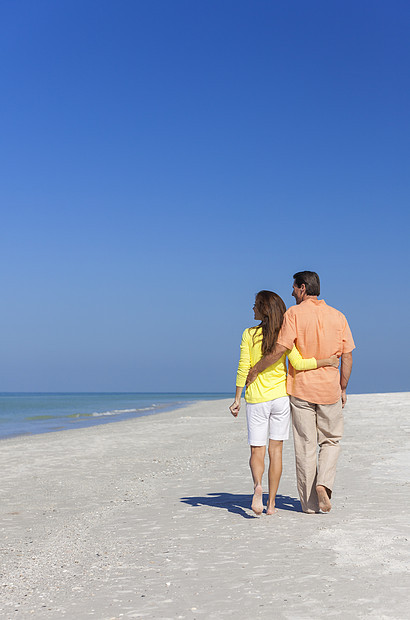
pixel 271 383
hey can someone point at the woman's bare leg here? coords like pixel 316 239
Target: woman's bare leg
pixel 275 472
pixel 257 465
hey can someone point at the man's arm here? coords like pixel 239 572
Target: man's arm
pixel 345 370
pixel 265 362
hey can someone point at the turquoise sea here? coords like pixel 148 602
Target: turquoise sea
pixel 24 413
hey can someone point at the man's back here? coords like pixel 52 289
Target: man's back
pixel 318 330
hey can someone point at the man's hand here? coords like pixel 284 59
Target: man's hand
pixel 265 362
pixel 344 398
pixel 235 407
pixel 252 374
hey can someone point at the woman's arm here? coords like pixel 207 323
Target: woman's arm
pixel 244 359
pixel 333 360
pixel 236 405
pixel 300 363
pixel 243 369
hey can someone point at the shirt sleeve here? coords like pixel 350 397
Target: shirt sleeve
pixel 287 334
pixel 347 338
pixel 244 360
pixel 300 363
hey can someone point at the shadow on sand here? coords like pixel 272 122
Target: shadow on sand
pixel 238 503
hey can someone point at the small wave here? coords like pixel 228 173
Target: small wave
pixel 99 414
pixel 132 410
pixel 147 408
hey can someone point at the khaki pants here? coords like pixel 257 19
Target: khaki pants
pixel 312 425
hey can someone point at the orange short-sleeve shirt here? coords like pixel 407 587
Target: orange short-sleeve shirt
pixel 319 331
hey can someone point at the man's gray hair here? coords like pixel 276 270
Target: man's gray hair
pixel 310 279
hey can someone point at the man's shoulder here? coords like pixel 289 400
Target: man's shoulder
pixel 314 307
pixel 300 309
pixel 335 311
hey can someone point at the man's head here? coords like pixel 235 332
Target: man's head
pixel 306 284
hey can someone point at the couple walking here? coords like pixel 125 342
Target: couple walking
pixel 313 336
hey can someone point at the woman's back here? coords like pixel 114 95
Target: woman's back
pixel 271 383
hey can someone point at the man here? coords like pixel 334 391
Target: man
pixel 318 396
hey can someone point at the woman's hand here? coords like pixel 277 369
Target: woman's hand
pixel 235 407
pixel 329 361
pixel 334 361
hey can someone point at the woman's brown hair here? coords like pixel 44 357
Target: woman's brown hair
pixel 271 307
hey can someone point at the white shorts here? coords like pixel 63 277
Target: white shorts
pixel 272 417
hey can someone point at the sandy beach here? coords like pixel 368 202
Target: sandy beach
pixel 150 518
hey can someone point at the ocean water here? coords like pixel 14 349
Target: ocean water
pixel 34 413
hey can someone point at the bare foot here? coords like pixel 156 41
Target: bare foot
pixel 323 498
pixel 271 510
pixel 257 501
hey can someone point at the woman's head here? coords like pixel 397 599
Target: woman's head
pixel 269 309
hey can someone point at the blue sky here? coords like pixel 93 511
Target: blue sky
pixel 163 161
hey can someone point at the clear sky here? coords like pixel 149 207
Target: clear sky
pixel 162 161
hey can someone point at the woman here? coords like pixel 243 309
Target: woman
pixel 267 403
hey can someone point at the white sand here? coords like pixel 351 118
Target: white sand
pixel 150 518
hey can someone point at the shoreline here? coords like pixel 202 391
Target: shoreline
pixel 150 518
pixel 97 422
pixel 91 420
pixel 50 412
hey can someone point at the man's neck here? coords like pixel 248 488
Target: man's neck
pixel 306 297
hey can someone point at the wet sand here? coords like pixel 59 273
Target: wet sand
pixel 150 518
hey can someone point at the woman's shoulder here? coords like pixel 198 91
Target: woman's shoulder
pixel 251 331
pixel 250 334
